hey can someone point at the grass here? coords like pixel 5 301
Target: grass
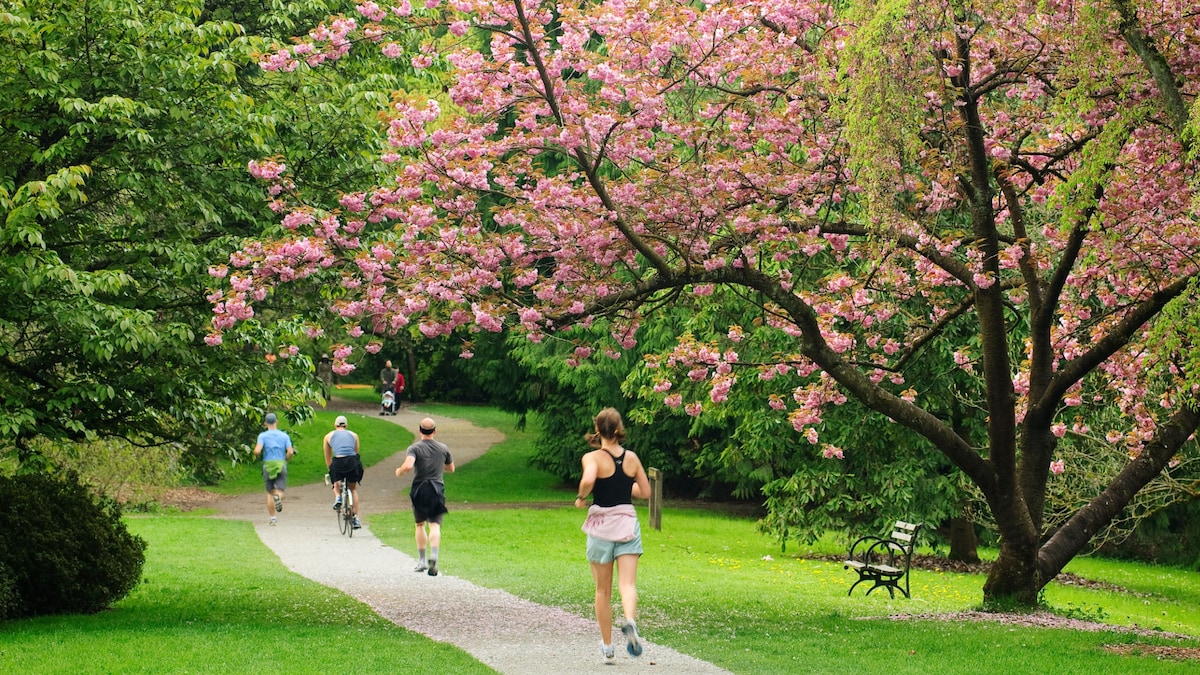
pixel 359 393
pixel 214 599
pixel 503 474
pixel 1162 598
pixel 709 585
pixel 713 587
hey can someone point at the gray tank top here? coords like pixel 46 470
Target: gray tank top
pixel 342 443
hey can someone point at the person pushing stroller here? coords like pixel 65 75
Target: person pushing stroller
pixel 387 387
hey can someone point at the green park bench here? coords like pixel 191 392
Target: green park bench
pixel 884 561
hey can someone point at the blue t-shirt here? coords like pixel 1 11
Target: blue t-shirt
pixel 274 444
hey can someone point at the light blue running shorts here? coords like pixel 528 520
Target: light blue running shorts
pixel 604 551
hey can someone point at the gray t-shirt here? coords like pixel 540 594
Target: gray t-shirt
pixel 432 458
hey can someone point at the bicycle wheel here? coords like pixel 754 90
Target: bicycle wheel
pixel 348 512
pixel 343 523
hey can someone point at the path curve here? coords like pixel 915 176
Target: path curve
pixel 508 633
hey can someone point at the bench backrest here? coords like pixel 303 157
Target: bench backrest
pixel 905 534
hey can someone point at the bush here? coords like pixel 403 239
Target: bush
pixel 8 593
pixel 65 549
pixel 135 475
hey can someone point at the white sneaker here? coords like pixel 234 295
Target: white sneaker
pixel 607 652
pixel 274 521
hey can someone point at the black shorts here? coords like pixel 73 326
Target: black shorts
pixel 428 501
pixel 349 467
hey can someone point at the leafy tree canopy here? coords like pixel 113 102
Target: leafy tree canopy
pixel 127 128
pixel 1002 191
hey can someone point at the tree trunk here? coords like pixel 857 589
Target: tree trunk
pixel 1013 580
pixel 964 545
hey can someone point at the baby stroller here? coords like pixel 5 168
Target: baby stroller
pixel 387 406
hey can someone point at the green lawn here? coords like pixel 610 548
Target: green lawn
pixel 214 599
pixel 710 586
pixel 713 587
pixel 358 394
pixel 503 474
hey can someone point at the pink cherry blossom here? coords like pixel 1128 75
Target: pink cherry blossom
pixel 1018 237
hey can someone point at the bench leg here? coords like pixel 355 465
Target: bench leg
pixel 883 584
pixel 860 580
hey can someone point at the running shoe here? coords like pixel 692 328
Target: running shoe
pixel 274 521
pixel 357 524
pixel 278 503
pixel 632 644
pixel 421 566
pixel 607 652
pixel 337 504
pixel 432 568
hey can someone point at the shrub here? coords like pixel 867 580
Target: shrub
pixel 8 593
pixel 66 550
pixel 134 475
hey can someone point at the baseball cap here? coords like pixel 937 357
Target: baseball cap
pixel 270 418
pixel 340 421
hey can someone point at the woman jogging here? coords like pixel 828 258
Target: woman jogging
pixel 615 475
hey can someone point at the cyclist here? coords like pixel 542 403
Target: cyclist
pixel 343 461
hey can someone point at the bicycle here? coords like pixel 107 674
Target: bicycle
pixel 345 509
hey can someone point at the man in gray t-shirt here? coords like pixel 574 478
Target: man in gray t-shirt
pixel 428 460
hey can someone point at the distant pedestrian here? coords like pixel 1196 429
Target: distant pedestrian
pixel 429 460
pixel 276 449
pixel 325 374
pixel 398 389
pixel 387 377
pixel 343 459
pixel 614 476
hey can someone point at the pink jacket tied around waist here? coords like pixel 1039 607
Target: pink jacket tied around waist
pixel 611 523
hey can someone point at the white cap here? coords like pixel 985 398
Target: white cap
pixel 340 421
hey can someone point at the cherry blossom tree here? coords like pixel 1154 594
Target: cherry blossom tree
pixel 1002 190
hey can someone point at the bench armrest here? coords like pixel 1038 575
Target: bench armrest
pixel 860 549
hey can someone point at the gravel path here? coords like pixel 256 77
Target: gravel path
pixel 507 633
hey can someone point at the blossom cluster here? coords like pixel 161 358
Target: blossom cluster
pixel 715 145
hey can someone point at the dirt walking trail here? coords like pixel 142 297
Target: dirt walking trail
pixel 505 632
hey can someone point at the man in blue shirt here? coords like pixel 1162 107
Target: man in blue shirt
pixel 276 449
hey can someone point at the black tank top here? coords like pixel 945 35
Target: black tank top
pixel 616 489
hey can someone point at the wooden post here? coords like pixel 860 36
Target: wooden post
pixel 655 477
